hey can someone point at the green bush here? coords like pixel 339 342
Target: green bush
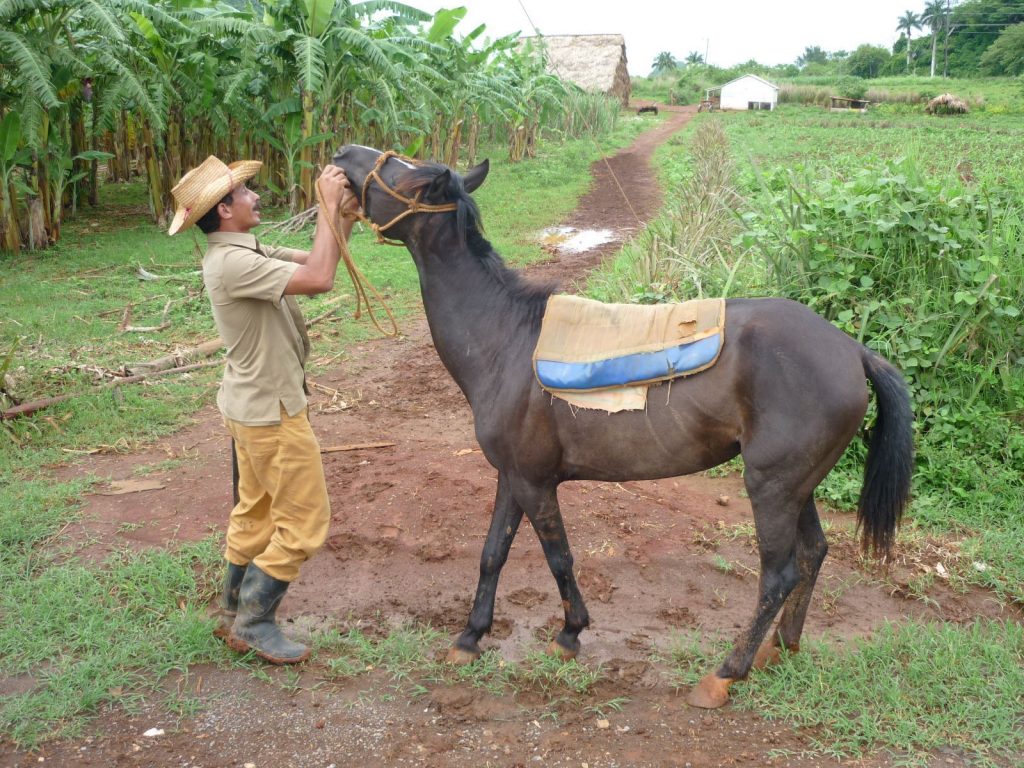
pixel 924 270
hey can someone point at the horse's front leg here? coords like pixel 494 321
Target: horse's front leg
pixel 504 524
pixel 541 505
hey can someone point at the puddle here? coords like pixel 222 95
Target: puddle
pixel 572 240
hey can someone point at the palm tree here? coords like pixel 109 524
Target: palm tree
pixel 909 21
pixel 664 62
pixel 934 17
pixel 694 59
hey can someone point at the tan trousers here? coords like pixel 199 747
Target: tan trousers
pixel 283 510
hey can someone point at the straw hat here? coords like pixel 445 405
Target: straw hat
pixel 203 187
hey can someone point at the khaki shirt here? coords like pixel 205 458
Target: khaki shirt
pixel 263 329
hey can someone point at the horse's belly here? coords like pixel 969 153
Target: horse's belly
pixel 647 445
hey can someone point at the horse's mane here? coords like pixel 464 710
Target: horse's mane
pixel 469 225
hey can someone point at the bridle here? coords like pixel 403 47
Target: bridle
pixel 413 204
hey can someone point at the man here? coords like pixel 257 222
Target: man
pixel 282 512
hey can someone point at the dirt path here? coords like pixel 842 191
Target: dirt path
pixel 408 524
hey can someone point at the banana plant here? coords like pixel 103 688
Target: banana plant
pixel 12 157
pixel 318 35
pixel 292 145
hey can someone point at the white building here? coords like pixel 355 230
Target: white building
pixel 746 92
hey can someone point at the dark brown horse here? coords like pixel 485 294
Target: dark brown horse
pixel 788 393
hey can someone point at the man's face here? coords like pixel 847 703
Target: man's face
pixel 243 213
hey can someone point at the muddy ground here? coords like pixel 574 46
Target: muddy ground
pixel 409 521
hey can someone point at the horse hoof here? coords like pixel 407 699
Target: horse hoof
pixel 710 693
pixel 768 655
pixel 460 657
pixel 561 652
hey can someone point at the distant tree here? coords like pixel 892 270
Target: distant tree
pixel 909 21
pixel 934 17
pixel 867 61
pixel 1006 55
pixel 812 54
pixel 664 62
pixel 694 59
pixel 839 60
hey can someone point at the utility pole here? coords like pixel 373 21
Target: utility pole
pixel 707 45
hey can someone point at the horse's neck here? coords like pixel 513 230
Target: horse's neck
pixel 483 333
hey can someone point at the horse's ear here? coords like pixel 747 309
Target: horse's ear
pixel 475 176
pixel 438 187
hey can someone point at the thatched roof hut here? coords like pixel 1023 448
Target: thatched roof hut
pixel 595 63
pixel 946 104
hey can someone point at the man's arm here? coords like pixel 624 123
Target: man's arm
pixel 317 267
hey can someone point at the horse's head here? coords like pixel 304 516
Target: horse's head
pixel 399 195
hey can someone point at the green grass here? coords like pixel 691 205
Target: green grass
pixel 82 634
pixel 910 689
pixel 89 635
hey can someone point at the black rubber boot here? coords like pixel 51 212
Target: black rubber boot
pixel 227 606
pixel 255 628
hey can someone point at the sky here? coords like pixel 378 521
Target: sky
pixel 730 32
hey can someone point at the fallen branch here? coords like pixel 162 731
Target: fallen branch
pixel 125 318
pixel 294 224
pixel 145 274
pixel 355 447
pixel 328 313
pixel 26 409
pixel 164 322
pixel 184 357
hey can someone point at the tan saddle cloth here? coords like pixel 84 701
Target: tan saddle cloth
pixel 604 356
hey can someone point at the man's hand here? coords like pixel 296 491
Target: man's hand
pixel 335 190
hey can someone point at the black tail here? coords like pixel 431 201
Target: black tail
pixel 890 461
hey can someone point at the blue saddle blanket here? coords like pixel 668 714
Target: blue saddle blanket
pixel 588 346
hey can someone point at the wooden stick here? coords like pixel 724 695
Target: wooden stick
pixel 26 409
pixel 355 447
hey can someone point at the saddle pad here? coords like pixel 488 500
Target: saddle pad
pixel 588 346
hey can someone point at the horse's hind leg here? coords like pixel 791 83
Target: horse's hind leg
pixel 504 524
pixel 775 518
pixel 541 506
pixel 811 548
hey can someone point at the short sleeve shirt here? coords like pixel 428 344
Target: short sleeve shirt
pixel 262 329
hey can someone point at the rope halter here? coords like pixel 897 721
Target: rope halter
pixel 413 204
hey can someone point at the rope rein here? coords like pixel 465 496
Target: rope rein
pixel 359 281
